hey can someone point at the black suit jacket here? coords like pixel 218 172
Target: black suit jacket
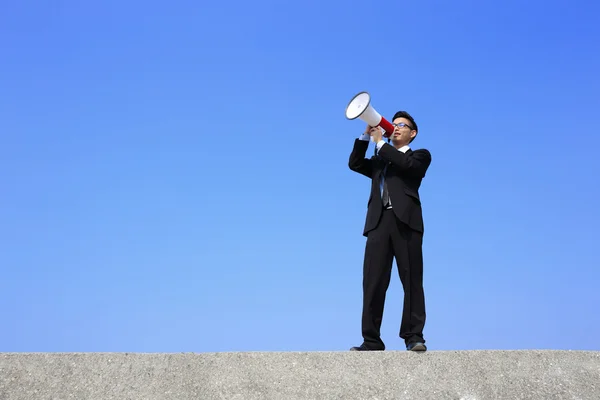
pixel 404 175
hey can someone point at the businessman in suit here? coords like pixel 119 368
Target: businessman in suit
pixel 393 228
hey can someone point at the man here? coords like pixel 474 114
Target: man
pixel 394 228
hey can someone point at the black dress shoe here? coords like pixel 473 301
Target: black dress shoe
pixel 416 346
pixel 362 347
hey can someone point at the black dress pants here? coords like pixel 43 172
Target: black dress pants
pixel 393 239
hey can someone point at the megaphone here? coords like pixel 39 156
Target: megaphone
pixel 360 107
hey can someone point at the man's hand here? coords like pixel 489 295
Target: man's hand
pixel 375 133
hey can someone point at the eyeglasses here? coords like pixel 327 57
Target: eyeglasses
pixel 402 125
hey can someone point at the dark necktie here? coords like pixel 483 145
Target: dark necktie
pixel 385 196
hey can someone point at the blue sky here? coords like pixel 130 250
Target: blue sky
pixel 174 176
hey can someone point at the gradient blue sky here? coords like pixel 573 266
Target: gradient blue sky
pixel 174 175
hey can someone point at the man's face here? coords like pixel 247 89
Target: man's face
pixel 403 132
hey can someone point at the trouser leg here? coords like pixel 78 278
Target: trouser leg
pixel 407 246
pixel 377 270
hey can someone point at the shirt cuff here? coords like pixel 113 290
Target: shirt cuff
pixel 379 144
pixel 365 136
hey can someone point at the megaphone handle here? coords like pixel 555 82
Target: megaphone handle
pixel 387 127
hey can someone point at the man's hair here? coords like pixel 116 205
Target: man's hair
pixel 404 114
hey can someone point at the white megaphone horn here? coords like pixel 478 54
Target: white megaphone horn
pixel 360 107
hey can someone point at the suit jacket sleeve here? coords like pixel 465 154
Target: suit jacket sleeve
pixel 358 162
pixel 413 164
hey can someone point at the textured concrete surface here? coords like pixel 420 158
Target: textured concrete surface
pixel 467 375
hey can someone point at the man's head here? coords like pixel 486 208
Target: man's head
pixel 405 129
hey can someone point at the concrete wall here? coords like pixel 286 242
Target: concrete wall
pixel 467 375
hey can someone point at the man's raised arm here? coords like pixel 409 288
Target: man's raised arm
pixel 358 162
pixel 413 164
